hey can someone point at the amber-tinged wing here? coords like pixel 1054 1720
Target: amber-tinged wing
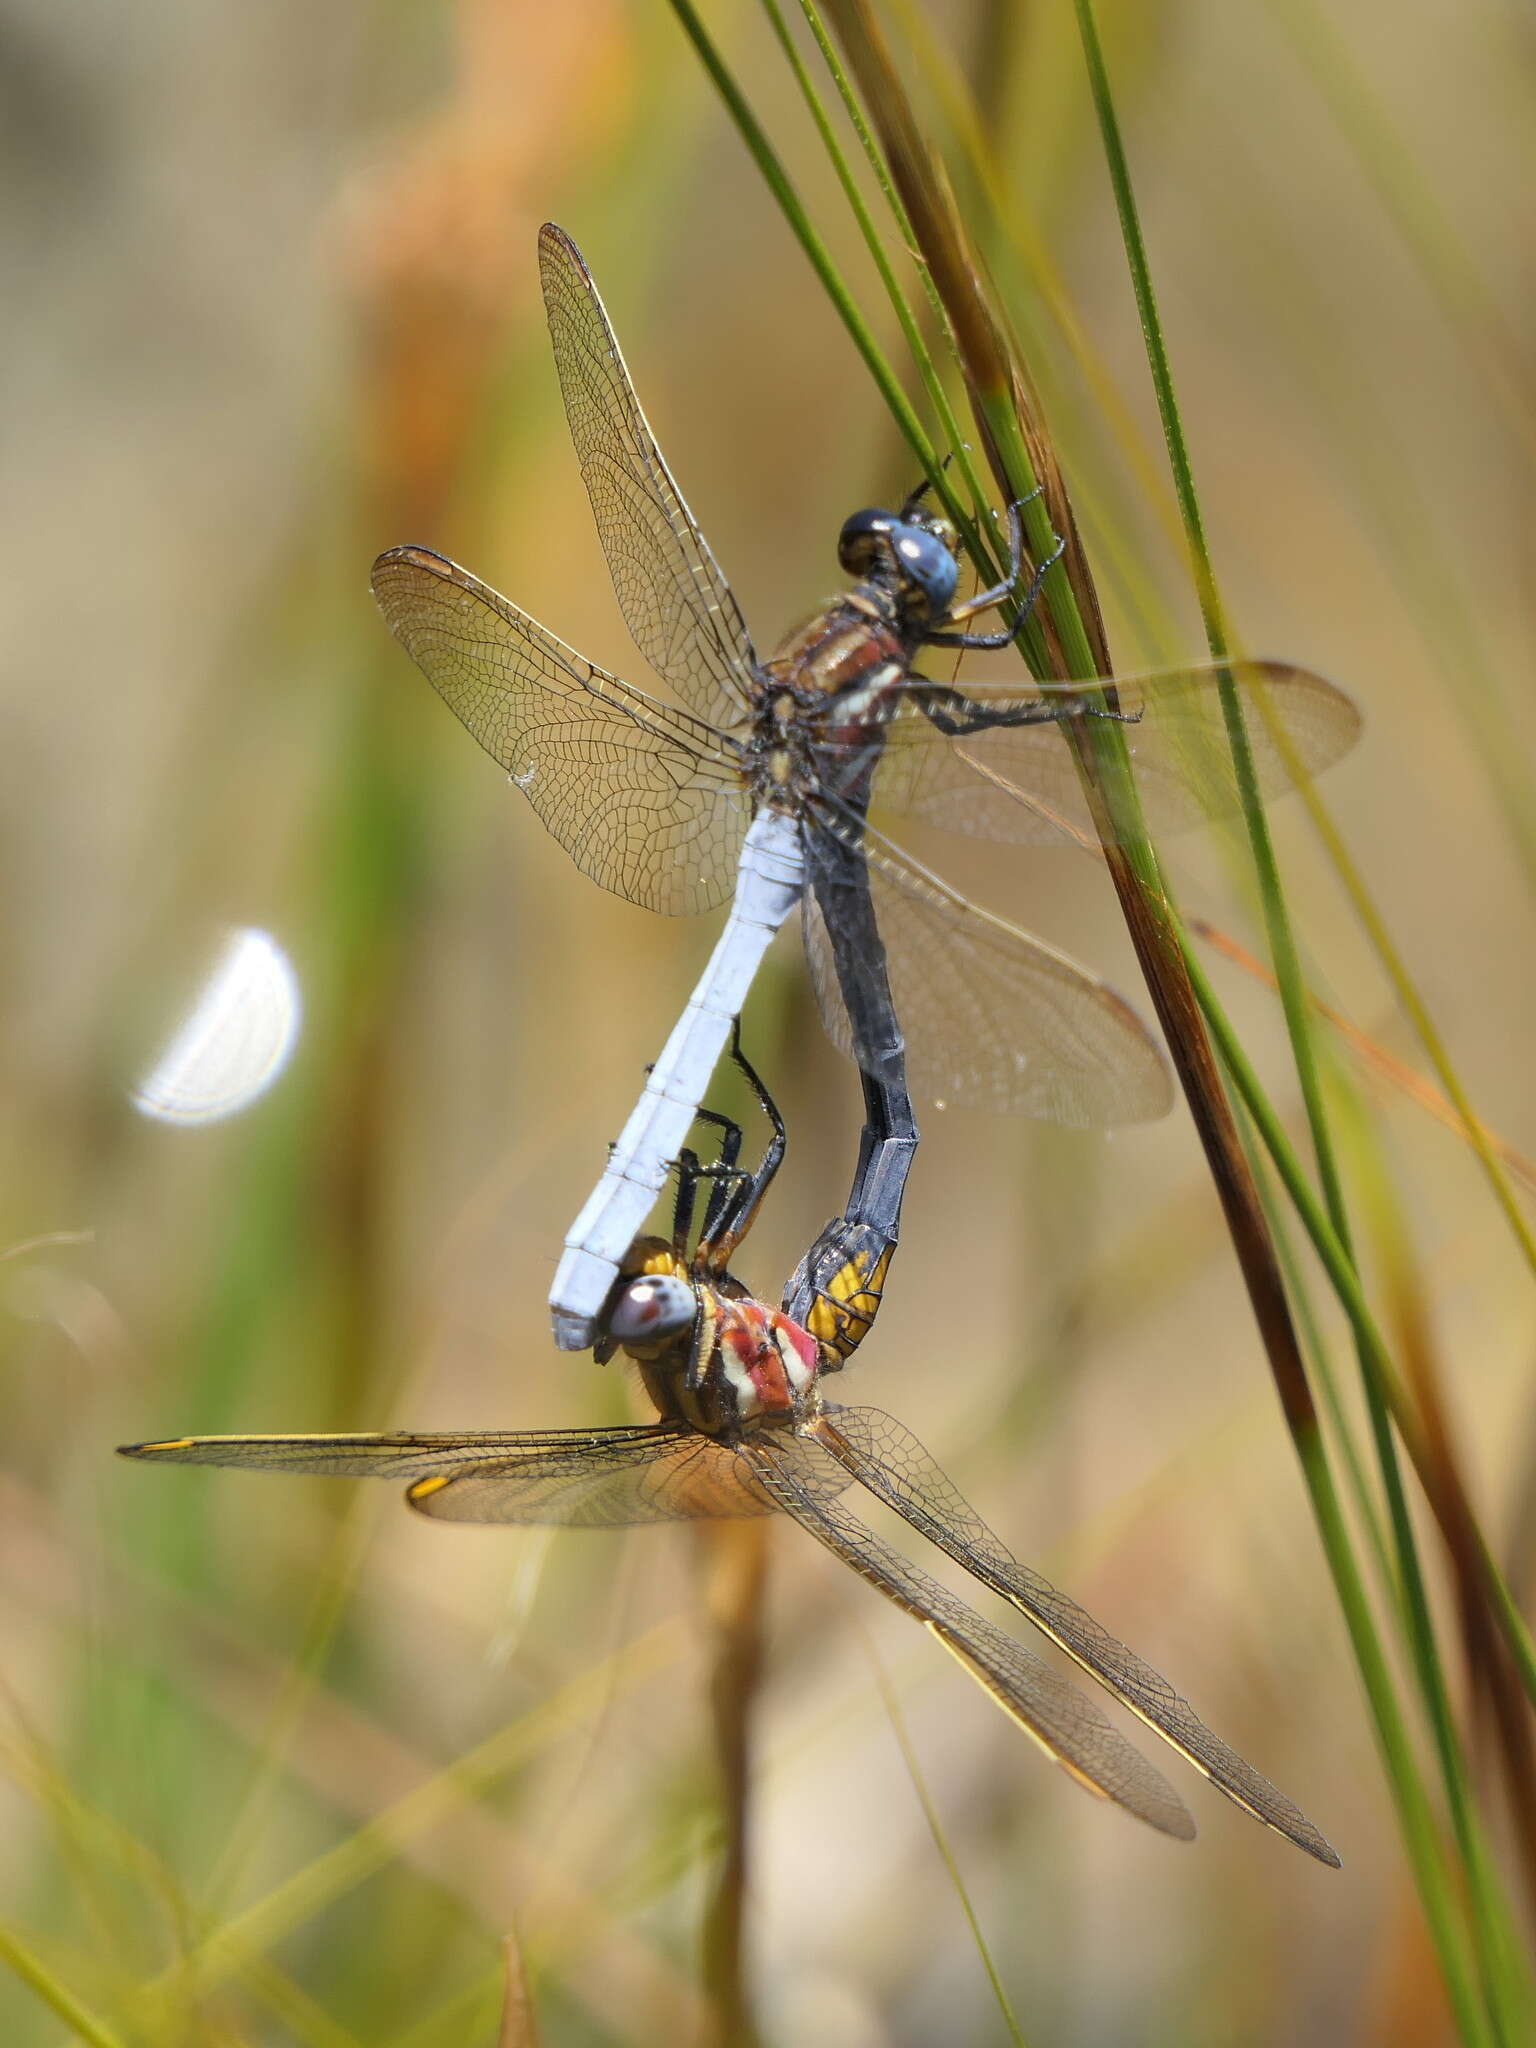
pixel 1066 1724
pixel 676 603
pixel 585 1478
pixel 644 798
pixel 993 1017
pixel 677 1476
pixel 884 1456
pixel 1019 784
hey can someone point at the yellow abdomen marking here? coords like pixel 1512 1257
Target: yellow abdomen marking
pixel 847 1306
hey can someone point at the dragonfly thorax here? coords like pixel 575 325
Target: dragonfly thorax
pixel 742 1362
pixel 833 682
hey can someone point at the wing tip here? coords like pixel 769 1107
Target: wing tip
pixel 410 554
pixel 1314 1842
pixel 555 245
pixel 1351 719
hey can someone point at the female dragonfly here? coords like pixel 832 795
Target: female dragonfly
pixel 744 1428
pixel 757 788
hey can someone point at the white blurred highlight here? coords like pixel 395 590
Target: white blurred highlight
pixel 236 1038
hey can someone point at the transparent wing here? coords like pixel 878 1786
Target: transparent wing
pixel 994 1019
pixel 675 601
pixel 1018 783
pixel 675 1475
pixel 396 1454
pixel 642 797
pixel 587 1478
pixel 1066 1724
pixel 884 1456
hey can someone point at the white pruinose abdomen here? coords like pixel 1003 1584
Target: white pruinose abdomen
pixel 769 882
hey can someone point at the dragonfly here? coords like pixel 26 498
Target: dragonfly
pixel 755 787
pixel 744 1428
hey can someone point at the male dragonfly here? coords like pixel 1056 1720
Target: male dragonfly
pixel 744 1428
pixel 760 783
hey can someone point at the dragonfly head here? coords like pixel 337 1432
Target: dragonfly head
pixel 912 555
pixel 653 1303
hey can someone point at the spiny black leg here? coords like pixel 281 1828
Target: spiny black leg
pixel 773 1158
pixel 730 1144
pixel 915 497
pixel 689 1174
pixel 732 1213
pixel 730 1184
pixel 957 715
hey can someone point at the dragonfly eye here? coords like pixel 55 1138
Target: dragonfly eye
pixel 928 565
pixel 865 541
pixel 651 1309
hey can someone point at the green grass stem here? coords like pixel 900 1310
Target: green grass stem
pixel 60 2000
pixel 941 1841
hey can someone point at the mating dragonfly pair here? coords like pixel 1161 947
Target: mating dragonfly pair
pixel 744 1428
pixel 759 787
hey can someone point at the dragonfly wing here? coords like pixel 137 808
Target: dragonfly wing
pixel 396 1454
pixel 676 603
pixel 994 1018
pixel 642 797
pixel 666 1473
pixel 884 1456
pixel 1067 1725
pixel 1019 783
pixel 586 1478
pixel 676 1475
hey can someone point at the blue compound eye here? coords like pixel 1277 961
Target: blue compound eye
pixel 922 554
pixel 929 565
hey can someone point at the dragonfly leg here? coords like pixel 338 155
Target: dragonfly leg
pixel 734 1204
pixel 988 600
pixel 689 1174
pixel 915 497
pixel 730 1143
pixel 728 1186
pixel 957 715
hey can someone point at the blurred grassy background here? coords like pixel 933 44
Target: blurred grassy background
pixel 274 306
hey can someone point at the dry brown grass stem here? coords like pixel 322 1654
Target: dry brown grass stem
pixel 734 1557
pixel 1005 408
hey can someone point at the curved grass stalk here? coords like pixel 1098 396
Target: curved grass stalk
pixel 1488 1910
